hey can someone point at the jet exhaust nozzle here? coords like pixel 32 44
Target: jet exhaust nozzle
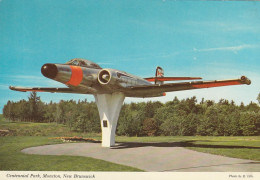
pixel 49 70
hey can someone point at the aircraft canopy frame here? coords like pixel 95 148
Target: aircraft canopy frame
pixel 83 62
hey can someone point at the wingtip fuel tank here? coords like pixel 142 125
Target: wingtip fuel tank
pixel 245 80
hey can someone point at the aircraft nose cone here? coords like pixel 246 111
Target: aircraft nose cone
pixel 49 70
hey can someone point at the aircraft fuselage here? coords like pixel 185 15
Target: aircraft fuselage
pixel 96 81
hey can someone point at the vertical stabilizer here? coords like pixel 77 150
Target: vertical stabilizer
pixel 159 73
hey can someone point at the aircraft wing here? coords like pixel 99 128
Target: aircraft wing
pixel 156 88
pixel 152 79
pixel 43 89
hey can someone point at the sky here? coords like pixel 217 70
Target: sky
pixel 210 39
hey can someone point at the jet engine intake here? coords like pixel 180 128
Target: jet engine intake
pixel 104 76
pixel 107 76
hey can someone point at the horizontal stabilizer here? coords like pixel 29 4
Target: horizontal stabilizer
pixel 152 79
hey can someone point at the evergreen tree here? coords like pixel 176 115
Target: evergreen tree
pixel 33 101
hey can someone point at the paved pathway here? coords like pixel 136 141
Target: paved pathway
pixel 151 157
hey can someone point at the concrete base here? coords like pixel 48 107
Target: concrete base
pixel 109 106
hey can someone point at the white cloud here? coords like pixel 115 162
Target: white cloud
pixel 104 63
pixel 229 48
pixel 24 80
pixel 25 77
pixel 139 57
pixel 223 26
pixel 3 86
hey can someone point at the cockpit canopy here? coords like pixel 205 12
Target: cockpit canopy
pixel 83 62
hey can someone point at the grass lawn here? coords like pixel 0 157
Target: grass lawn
pixel 23 135
pixel 243 147
pixel 38 129
pixel 11 158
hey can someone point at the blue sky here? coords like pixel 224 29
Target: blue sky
pixel 210 39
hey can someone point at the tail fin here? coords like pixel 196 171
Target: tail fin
pixel 159 73
pixel 159 77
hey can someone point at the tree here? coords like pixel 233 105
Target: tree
pixel 151 108
pixel 210 122
pixel 162 114
pixel 209 103
pixel 81 122
pixel 22 109
pixel 49 112
pixel 169 127
pixel 252 107
pixel 150 126
pixel 250 123
pixel 60 112
pixel 34 102
pixel 130 122
pixel 7 113
pixel 258 98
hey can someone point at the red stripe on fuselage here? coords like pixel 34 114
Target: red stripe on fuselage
pixel 76 76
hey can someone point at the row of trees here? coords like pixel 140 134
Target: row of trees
pixel 189 118
pixel 78 116
pixel 185 117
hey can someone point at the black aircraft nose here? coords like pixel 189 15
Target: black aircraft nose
pixel 49 70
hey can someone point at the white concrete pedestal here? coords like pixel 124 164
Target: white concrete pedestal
pixel 109 106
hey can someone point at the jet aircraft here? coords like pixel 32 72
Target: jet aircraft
pixel 111 86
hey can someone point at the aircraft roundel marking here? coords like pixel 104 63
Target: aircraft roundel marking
pixel 76 76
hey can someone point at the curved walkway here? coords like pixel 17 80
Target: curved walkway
pixel 151 157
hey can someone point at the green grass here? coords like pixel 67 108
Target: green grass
pixel 40 129
pixel 23 135
pixel 243 147
pixel 237 147
pixel 1 118
pixel 11 158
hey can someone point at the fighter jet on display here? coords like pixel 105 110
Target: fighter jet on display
pixel 111 86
